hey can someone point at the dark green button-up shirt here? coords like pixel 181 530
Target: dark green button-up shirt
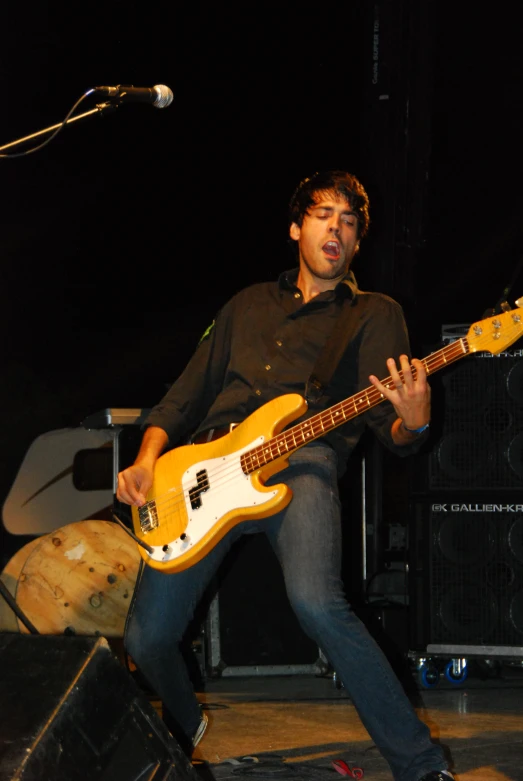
pixel 265 342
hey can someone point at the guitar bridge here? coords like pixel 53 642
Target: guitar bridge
pixel 148 517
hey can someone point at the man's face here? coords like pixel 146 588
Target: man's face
pixel 327 239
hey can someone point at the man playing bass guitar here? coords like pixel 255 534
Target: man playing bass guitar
pixel 262 346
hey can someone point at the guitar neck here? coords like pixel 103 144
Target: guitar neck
pixel 318 425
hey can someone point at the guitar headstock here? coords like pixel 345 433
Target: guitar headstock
pixel 496 333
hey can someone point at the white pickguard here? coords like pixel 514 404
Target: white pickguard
pixel 229 488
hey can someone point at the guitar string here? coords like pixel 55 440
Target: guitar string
pixel 167 504
pixel 289 439
pixel 220 478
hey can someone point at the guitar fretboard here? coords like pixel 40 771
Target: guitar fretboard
pixel 316 426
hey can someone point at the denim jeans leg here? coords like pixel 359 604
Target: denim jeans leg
pixel 163 606
pixel 306 537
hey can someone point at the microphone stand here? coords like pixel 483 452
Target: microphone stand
pixel 99 109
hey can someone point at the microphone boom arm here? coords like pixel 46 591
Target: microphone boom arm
pixel 99 109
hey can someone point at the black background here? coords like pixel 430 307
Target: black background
pixel 122 237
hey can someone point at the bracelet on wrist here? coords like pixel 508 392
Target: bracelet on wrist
pixel 419 430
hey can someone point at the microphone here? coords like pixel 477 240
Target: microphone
pixel 159 95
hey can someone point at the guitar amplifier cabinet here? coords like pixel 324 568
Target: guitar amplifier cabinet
pixel 466 572
pixel 250 628
pixel 476 438
pixel 70 711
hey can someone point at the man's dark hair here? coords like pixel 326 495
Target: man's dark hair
pixel 340 182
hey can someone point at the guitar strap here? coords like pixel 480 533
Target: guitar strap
pixel 352 310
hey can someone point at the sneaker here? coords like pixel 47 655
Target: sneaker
pixel 201 731
pixel 438 775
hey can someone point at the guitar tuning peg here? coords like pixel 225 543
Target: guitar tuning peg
pixel 519 302
pixel 505 306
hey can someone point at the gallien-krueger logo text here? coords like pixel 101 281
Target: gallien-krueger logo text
pixel 477 508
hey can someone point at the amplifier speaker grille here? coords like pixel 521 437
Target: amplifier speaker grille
pixel 467 572
pixel 478 424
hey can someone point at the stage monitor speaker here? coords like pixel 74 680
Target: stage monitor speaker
pixel 477 427
pixel 70 711
pixel 466 572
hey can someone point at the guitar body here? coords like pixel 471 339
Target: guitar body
pixel 200 492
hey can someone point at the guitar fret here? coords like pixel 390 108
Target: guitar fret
pixel 333 416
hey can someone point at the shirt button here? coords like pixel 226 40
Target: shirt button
pixel 279 342
pixel 258 392
pixel 268 367
pixel 297 295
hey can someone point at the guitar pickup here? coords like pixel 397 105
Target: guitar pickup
pixel 148 517
pixel 202 485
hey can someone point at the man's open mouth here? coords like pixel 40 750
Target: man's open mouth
pixel 332 248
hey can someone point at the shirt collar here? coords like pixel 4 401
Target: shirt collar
pixel 347 286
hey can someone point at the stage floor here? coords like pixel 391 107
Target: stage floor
pixel 298 725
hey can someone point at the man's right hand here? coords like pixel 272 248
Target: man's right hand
pixel 133 484
pixel 135 481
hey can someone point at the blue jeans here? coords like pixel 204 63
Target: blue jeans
pixel 306 537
